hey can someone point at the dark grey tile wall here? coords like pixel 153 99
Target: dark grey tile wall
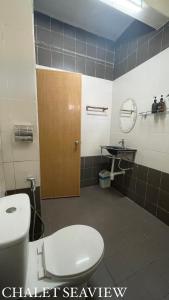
pixel 90 168
pixel 133 52
pixel 147 187
pixel 38 225
pixel 62 46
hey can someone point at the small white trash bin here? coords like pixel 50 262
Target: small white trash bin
pixel 104 179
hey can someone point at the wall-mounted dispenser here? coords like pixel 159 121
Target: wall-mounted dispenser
pixel 23 133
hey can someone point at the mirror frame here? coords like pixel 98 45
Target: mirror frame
pixel 135 117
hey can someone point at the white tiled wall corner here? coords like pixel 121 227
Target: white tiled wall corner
pixel 17 92
pixel 150 135
pixel 95 129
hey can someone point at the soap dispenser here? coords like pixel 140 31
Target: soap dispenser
pixel 154 106
pixel 161 105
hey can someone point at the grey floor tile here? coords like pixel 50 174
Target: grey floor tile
pixel 136 242
pixel 136 291
pixel 101 278
pixel 152 280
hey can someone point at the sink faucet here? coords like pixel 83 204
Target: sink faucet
pixel 122 142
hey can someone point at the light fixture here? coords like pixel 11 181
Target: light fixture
pixel 127 6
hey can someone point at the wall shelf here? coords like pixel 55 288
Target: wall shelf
pixel 149 113
pixel 96 108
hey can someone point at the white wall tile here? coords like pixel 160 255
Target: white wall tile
pixel 9 176
pixel 26 169
pixel 1 157
pixel 2 181
pixel 17 91
pixel 150 135
pixel 95 129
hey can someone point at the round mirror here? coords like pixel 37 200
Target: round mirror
pixel 128 115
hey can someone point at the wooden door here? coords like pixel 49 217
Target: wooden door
pixel 59 110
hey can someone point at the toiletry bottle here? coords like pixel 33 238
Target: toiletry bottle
pixel 162 106
pixel 154 106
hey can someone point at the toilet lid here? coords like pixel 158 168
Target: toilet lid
pixel 72 250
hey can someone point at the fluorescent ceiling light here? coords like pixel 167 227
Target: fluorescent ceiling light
pixel 127 6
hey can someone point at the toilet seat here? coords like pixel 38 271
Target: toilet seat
pixel 49 266
pixel 72 251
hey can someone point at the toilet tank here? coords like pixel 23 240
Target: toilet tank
pixel 14 233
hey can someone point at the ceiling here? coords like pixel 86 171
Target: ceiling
pixel 97 17
pixel 91 15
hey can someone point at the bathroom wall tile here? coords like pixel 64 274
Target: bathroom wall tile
pixel 91 50
pixel 154 177
pixel 18 64
pixel 131 47
pixel 131 61
pixel 165 38
pixel 69 43
pixel 57 26
pixel 26 169
pixel 163 215
pixel 56 40
pixel 141 187
pixel 90 67
pixel 9 175
pixel 44 57
pixel 142 172
pixel 155 44
pixel 80 64
pixel 82 165
pixel 101 54
pixel 151 208
pixel 145 46
pixel 165 182
pixel 25 151
pixel 43 20
pixel 43 37
pixel 1 154
pixel 152 195
pixel 69 62
pixel 87 173
pixel 164 200
pixel 100 70
pixel 109 72
pixel 88 163
pixel 109 56
pixel 110 45
pixel 2 181
pixel 35 17
pixel 122 52
pixel 36 54
pixel 81 35
pixel 142 53
pixel 122 67
pixel 69 31
pixel 102 43
pixel 21 112
pixel 7 140
pixel 91 39
pixel 80 47
pixel 57 60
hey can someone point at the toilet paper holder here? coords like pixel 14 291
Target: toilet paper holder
pixel 23 133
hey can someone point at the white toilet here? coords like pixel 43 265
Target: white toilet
pixel 67 257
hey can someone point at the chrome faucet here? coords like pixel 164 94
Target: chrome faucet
pixel 122 142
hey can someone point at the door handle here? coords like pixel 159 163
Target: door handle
pixel 77 142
